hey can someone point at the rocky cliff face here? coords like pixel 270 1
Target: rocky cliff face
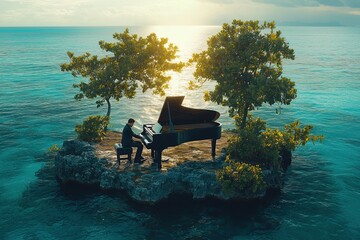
pixel 77 162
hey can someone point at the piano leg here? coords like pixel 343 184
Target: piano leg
pixel 152 153
pixel 213 147
pixel 157 158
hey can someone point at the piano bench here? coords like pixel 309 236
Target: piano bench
pixel 120 151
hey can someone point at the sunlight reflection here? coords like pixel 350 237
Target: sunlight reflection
pixel 189 39
pixel 147 107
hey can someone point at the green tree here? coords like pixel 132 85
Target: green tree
pixel 245 59
pixel 132 62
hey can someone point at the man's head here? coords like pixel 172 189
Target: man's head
pixel 131 122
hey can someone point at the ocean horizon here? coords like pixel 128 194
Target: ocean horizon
pixel 319 200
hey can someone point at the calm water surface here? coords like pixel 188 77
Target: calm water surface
pixel 321 196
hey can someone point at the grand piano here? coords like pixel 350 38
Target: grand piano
pixel 178 124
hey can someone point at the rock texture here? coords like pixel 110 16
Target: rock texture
pixel 77 162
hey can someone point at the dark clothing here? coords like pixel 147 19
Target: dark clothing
pixel 127 136
pixel 139 150
pixel 127 141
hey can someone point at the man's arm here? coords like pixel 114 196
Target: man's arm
pixel 135 135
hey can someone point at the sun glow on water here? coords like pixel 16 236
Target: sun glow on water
pixel 189 40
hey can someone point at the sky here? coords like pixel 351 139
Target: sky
pixel 176 12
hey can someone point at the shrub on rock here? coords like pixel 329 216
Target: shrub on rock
pixel 93 128
pixel 240 177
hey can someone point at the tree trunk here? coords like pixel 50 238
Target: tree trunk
pixel 244 117
pixel 109 107
pixel 108 110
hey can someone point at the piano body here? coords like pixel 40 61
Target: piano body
pixel 178 124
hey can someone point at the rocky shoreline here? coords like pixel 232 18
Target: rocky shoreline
pixel 78 162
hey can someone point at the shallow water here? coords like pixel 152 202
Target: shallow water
pixel 321 196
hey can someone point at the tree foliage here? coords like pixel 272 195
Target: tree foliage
pixel 255 143
pixel 132 62
pixel 256 147
pixel 93 128
pixel 245 59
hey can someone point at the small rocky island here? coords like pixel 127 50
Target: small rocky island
pixel 189 170
pixel 256 155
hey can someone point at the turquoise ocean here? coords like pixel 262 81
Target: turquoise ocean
pixel 320 198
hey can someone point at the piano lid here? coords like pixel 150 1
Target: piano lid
pixel 184 115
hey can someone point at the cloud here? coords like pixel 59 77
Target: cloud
pixel 355 12
pixel 352 3
pixel 219 1
pixel 312 3
pixel 173 12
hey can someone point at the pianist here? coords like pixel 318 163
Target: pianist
pixel 127 140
